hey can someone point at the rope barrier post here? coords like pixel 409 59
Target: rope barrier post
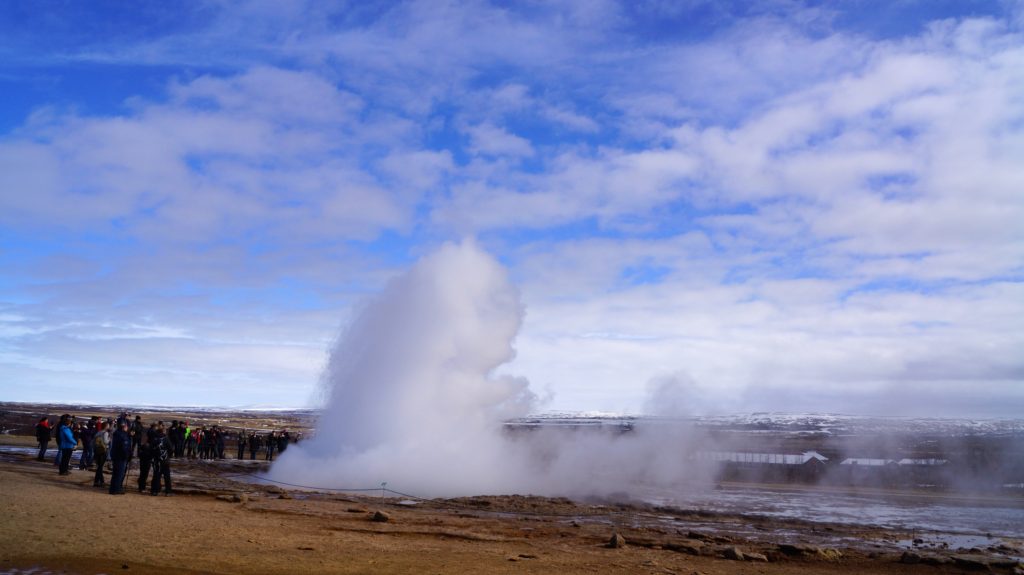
pixel 383 488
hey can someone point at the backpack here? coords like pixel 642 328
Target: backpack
pixel 97 444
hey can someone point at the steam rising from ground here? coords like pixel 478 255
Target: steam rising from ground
pixel 412 399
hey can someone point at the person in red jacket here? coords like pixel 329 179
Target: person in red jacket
pixel 43 437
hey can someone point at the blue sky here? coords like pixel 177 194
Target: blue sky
pixel 759 206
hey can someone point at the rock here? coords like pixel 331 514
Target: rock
pixel 933 560
pixel 755 557
pixel 527 556
pixel 972 562
pixel 616 542
pixel 689 547
pixel 733 553
pixel 284 496
pixel 810 551
pixel 910 558
pixel 829 554
pixel 380 517
pixel 793 550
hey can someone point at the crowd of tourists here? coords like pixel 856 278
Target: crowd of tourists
pixel 113 444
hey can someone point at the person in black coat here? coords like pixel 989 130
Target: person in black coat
pixel 220 435
pixel 242 436
pixel 146 456
pixel 120 453
pixel 160 450
pixel 271 446
pixel 254 445
pixel 138 430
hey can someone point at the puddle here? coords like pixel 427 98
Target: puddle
pixel 950 515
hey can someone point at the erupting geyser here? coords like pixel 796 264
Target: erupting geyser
pixel 411 397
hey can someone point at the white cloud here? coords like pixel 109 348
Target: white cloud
pixel 486 139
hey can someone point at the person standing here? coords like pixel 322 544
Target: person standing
pixel 205 443
pixel 191 439
pixel 271 446
pixel 254 445
pixel 172 434
pixel 120 453
pixel 76 430
pixel 56 437
pixel 100 447
pixel 145 457
pixel 179 446
pixel 160 450
pixel 220 441
pixel 43 437
pixel 86 434
pixel 66 442
pixel 242 444
pixel 138 431
pixel 282 441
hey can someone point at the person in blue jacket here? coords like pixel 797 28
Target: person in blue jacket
pixel 66 442
pixel 120 453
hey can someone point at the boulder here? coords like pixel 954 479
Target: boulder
pixel 810 551
pixel 733 553
pixel 934 560
pixel 617 541
pixel 972 562
pixel 794 550
pixel 380 517
pixel 755 557
pixel 688 547
pixel 910 558
pixel 829 554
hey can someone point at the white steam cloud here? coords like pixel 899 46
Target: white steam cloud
pixel 412 399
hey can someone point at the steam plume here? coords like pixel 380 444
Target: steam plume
pixel 412 400
pixel 411 397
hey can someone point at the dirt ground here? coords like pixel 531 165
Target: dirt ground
pixel 216 523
